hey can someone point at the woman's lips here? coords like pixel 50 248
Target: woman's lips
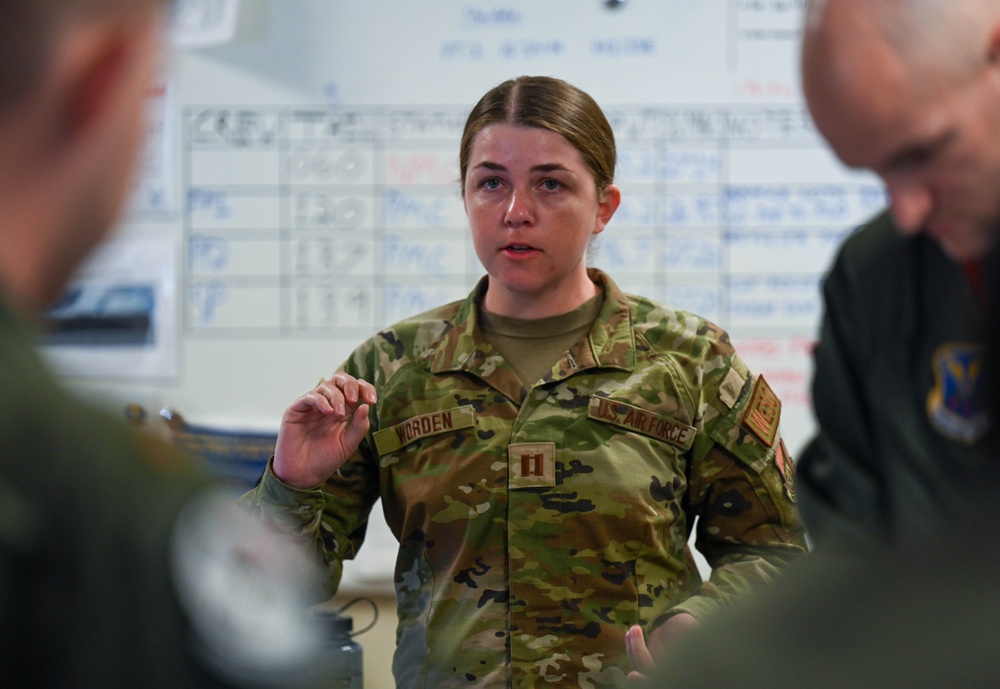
pixel 519 249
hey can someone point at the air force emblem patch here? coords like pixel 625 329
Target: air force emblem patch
pixel 955 405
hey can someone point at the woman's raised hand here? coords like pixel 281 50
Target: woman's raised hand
pixel 321 429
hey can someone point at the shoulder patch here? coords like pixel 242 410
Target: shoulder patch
pixel 956 405
pixel 732 386
pixel 763 412
pixel 391 439
pixel 641 421
pixel 787 468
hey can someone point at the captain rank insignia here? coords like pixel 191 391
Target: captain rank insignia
pixel 532 464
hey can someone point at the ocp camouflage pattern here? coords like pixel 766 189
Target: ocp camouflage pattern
pixel 508 576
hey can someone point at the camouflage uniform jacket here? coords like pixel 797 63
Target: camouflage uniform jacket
pixel 536 525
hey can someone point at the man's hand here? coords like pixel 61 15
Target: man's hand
pixel 642 655
pixel 321 429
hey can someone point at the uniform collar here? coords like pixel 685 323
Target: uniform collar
pixel 464 347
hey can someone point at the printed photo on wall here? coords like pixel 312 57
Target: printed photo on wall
pixel 118 317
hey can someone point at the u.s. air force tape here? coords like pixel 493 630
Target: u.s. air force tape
pixel 416 427
pixel 640 420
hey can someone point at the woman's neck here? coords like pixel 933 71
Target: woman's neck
pixel 504 302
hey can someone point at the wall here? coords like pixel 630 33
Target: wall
pixel 305 180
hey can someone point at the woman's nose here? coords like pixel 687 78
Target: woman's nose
pixel 519 210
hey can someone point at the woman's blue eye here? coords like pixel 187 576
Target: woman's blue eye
pixel 551 184
pixel 491 183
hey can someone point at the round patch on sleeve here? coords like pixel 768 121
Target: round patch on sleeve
pixel 246 590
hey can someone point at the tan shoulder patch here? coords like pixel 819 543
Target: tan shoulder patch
pixel 763 412
pixel 732 386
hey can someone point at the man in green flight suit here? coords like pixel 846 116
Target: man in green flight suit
pixel 112 547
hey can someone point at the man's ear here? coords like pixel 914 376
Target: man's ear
pixel 993 45
pixel 89 71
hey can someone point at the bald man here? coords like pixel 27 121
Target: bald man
pixel 909 89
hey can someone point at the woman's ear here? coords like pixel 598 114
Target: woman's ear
pixel 608 200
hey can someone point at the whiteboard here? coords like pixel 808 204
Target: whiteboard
pixel 308 172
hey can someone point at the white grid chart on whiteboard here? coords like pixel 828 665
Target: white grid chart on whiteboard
pixel 303 221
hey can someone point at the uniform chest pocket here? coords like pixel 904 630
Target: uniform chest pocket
pixel 423 426
pixel 638 420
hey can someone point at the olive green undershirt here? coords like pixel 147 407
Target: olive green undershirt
pixel 532 346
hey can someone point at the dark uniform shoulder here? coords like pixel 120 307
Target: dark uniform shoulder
pixel 876 247
pixel 882 270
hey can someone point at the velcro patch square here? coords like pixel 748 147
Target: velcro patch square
pixel 731 387
pixel 532 464
pixel 763 412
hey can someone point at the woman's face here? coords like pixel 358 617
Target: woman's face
pixel 533 207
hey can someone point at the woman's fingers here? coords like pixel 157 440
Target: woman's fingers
pixel 344 392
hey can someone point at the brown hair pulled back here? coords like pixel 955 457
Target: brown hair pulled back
pixel 547 103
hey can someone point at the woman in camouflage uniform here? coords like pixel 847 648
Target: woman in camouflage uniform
pixel 543 447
